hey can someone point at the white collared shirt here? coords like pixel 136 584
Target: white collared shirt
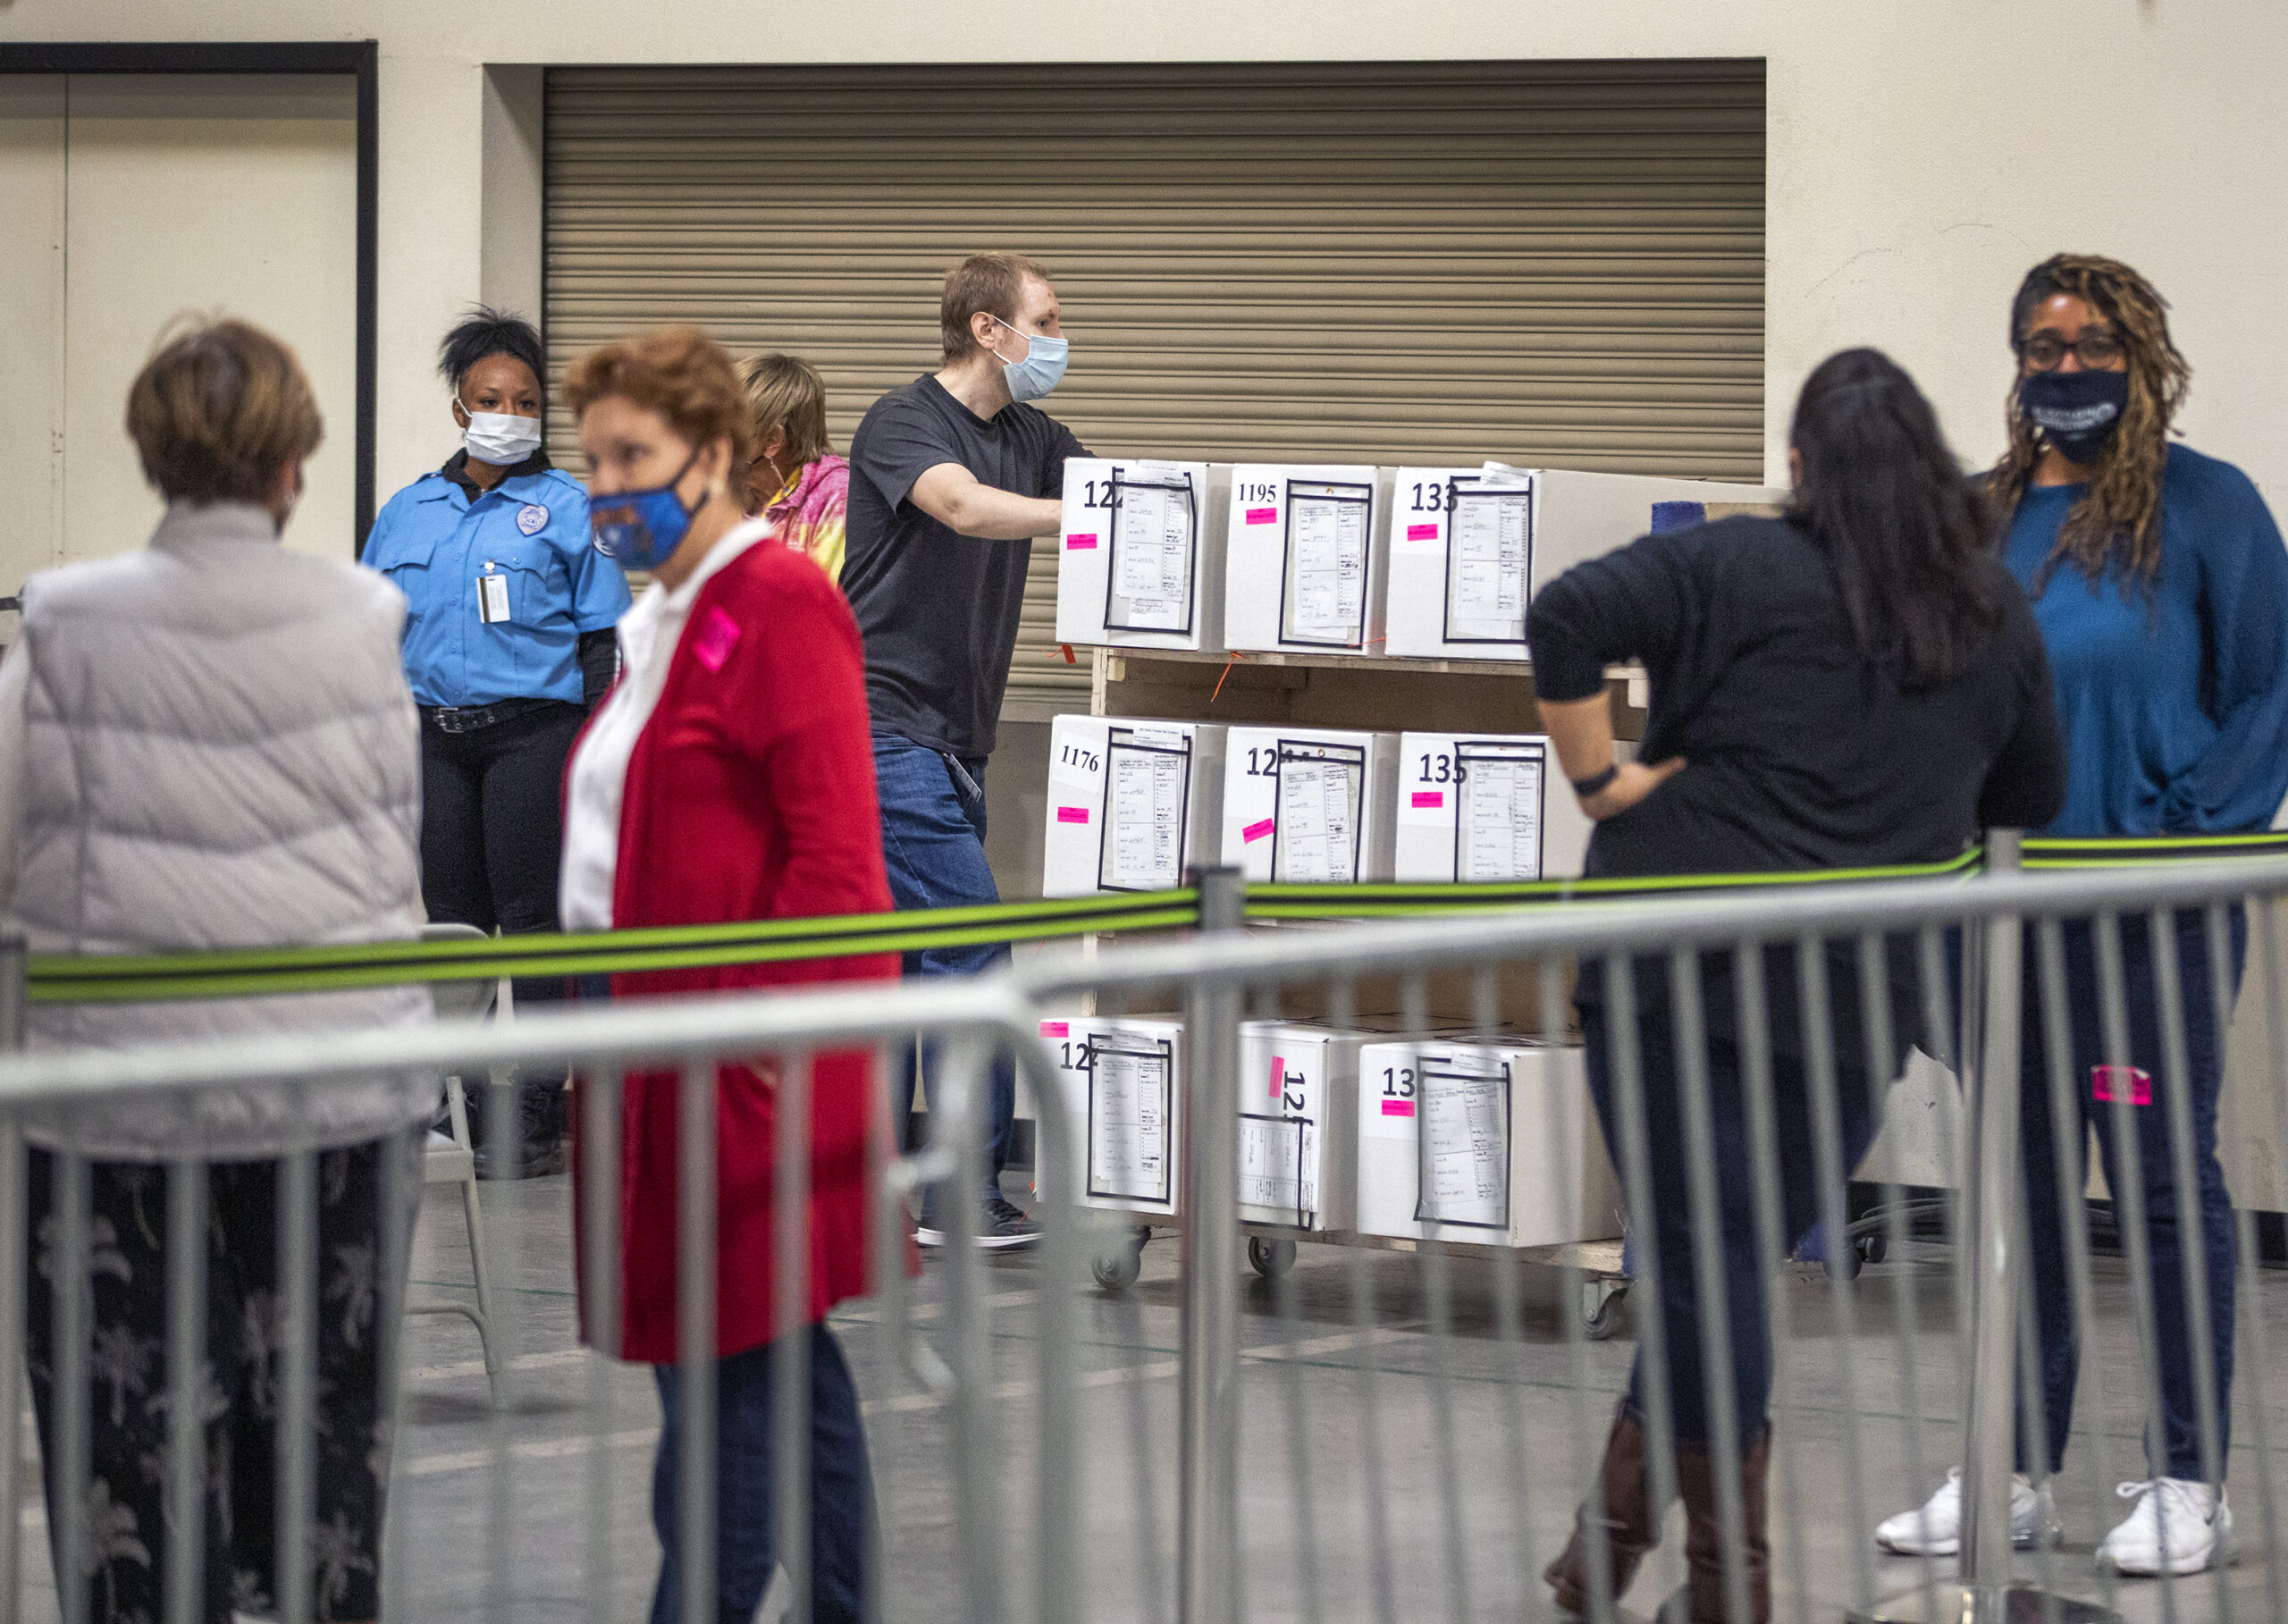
pixel 648 635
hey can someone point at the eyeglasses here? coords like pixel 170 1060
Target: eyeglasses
pixel 2096 351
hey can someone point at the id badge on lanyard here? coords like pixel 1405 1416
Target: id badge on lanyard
pixel 492 594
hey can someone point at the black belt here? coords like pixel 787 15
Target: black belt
pixel 468 718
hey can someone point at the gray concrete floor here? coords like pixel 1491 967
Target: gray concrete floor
pixel 1385 1474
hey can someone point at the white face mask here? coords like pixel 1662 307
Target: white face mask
pixel 500 439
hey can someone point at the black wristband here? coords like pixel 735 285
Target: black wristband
pixel 1594 784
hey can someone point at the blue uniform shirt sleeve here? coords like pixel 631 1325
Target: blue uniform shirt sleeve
pixel 2238 782
pixel 599 595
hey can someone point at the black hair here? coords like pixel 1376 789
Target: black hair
pixel 485 332
pixel 1882 496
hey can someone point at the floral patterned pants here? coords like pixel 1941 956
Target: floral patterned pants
pixel 127 1436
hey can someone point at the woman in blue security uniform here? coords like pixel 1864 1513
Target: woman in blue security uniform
pixel 509 641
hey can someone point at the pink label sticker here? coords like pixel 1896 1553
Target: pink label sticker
pixel 1263 516
pixel 717 637
pixel 1082 542
pixel 1422 532
pixel 1429 798
pixel 2106 1081
pixel 1278 1075
pixel 1072 814
pixel 1056 1028
pixel 1256 832
pixel 1397 1107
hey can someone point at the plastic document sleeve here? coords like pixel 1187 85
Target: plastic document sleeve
pixel 1489 562
pixel 1316 817
pixel 1146 790
pixel 1323 573
pixel 1129 1088
pixel 1498 807
pixel 1155 524
pixel 1279 1159
pixel 1464 1139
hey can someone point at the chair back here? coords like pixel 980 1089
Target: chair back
pixel 470 1000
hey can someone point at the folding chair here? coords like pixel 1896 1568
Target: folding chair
pixel 451 1157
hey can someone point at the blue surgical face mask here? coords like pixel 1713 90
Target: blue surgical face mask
pixel 2076 411
pixel 1041 370
pixel 639 529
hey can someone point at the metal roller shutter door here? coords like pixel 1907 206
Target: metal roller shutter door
pixel 1550 263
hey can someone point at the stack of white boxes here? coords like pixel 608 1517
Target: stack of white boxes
pixel 1299 1137
pixel 1141 561
pixel 1306 566
pixel 1493 1144
pixel 1124 1085
pixel 1132 803
pixel 1309 803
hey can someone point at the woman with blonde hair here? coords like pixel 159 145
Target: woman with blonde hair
pixel 209 743
pixel 794 478
pixel 729 777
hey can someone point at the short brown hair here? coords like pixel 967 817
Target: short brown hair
pixel 785 391
pixel 989 282
pixel 218 411
pixel 678 371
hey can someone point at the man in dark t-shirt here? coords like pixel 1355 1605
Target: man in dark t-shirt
pixel 952 477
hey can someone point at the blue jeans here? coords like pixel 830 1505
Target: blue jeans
pixel 1748 1323
pixel 933 844
pixel 2173 1448
pixel 842 1493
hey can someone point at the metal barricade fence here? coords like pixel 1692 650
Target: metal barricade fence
pixel 1386 1432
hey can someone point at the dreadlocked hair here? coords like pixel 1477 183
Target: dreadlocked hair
pixel 2119 519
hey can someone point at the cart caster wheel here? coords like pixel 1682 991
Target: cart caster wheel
pixel 1874 1247
pixel 1117 1271
pixel 1600 1309
pixel 1271 1258
pixel 1844 1262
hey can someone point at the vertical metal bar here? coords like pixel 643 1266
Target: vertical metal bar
pixel 1437 1280
pixel 1690 1036
pixel 1990 1409
pixel 186 1458
pixel 1207 1553
pixel 298 1319
pixel 2128 1201
pixel 1827 1159
pixel 2263 923
pixel 1772 1241
pixel 73 1326
pixel 962 1081
pixel 1510 1334
pixel 1342 1011
pixel 13 1259
pixel 1060 1566
pixel 402 1178
pixel 503 1126
pixel 695 1352
pixel 790 1281
pixel 600 1093
pixel 888 1238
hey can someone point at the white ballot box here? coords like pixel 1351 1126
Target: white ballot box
pixel 1499 1144
pixel 1130 803
pixel 1141 559
pixel 1487 806
pixel 1123 1081
pixel 1309 803
pixel 1469 547
pixel 1304 563
pixel 1299 1139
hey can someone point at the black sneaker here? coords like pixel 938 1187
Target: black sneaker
pixel 1000 1226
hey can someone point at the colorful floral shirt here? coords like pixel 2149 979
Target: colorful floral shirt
pixel 809 511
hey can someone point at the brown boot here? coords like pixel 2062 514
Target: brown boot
pixel 1623 1502
pixel 1703 1539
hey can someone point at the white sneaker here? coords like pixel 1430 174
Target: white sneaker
pixel 1934 1528
pixel 2178 1526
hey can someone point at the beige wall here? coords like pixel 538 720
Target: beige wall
pixel 126 201
pixel 1921 156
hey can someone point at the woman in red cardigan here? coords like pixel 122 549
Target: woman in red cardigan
pixel 728 777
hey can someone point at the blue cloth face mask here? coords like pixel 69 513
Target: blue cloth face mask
pixel 639 529
pixel 1041 370
pixel 2076 411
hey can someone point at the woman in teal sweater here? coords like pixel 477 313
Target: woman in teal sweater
pixel 2161 584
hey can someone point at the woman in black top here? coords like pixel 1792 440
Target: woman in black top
pixel 1857 684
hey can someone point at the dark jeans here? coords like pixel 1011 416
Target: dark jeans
pixel 1671 1200
pixel 128 1435
pixel 2176 1452
pixel 492 827
pixel 933 842
pixel 842 1492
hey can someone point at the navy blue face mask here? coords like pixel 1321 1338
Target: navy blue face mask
pixel 638 529
pixel 2076 411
